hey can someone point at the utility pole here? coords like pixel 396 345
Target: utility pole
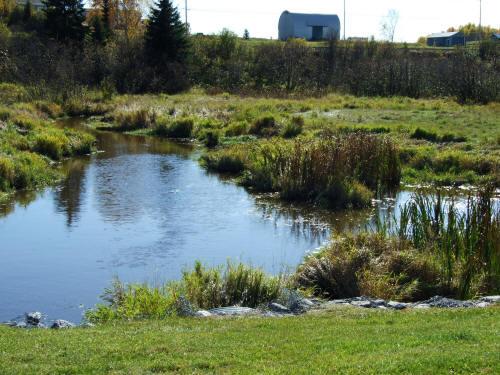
pixel 480 19
pixel 344 20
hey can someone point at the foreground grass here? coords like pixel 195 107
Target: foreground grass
pixel 342 340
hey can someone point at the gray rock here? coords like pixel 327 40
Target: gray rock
pixel 483 304
pixel 62 324
pixel 33 318
pixel 397 305
pixel 379 302
pixel 443 302
pixel 202 314
pixel 363 303
pixel 21 325
pixel 184 308
pixel 422 306
pixel 277 308
pixel 491 299
pixel 232 311
pixel 87 325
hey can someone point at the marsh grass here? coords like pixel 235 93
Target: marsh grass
pixel 202 287
pixel 174 128
pixel 337 172
pixel 465 240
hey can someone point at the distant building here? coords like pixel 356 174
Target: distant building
pixel 449 39
pixel 496 37
pixel 308 26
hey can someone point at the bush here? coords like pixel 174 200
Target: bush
pixel 210 138
pixel 53 110
pixel 434 137
pixel 12 93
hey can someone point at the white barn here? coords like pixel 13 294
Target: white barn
pixel 308 26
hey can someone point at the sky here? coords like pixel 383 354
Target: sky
pixel 363 17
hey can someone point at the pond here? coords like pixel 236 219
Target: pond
pixel 142 209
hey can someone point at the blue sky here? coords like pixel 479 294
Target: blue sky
pixel 417 18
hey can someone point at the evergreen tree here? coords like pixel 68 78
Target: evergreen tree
pixel 166 37
pixel 98 31
pixel 28 11
pixel 106 17
pixel 64 19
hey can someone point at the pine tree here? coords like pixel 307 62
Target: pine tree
pixel 166 37
pixel 98 31
pixel 64 19
pixel 28 11
pixel 106 17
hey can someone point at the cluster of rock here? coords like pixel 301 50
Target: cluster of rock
pixel 36 320
pixel 291 304
pixel 299 305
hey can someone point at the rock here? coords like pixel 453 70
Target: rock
pixel 184 307
pixel 87 325
pixel 232 311
pixel 363 303
pixel 422 306
pixel 483 304
pixel 202 314
pixel 397 305
pixel 21 325
pixel 62 324
pixel 378 302
pixel 443 302
pixel 491 299
pixel 277 308
pixel 33 318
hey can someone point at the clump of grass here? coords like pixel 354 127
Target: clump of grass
pixel 80 107
pixel 237 284
pixel 293 128
pixel 12 93
pixel 369 264
pixel 134 120
pixel 264 126
pixel 52 110
pixel 237 129
pixel 178 128
pixel 202 287
pixel 231 160
pixel 431 136
pixel 51 145
pixel 210 138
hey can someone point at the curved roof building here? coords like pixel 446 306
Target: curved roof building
pixel 308 26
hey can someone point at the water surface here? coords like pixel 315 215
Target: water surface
pixel 142 209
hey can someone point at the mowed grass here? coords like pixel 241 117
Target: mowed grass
pixel 345 340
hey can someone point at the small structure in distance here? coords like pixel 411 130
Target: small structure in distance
pixel 308 26
pixel 449 39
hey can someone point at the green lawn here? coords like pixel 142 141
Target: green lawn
pixel 340 340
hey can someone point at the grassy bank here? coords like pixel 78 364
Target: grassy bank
pixel 31 144
pixel 439 140
pixel 346 340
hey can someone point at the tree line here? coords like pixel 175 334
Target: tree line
pixel 63 48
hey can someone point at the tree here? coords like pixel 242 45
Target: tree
pixel 98 31
pixel 28 11
pixel 166 38
pixel 389 24
pixel 64 19
pixel 6 7
pixel 246 34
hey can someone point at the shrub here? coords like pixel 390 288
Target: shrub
pixel 12 93
pixel 53 110
pixel 210 138
pixel 434 137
